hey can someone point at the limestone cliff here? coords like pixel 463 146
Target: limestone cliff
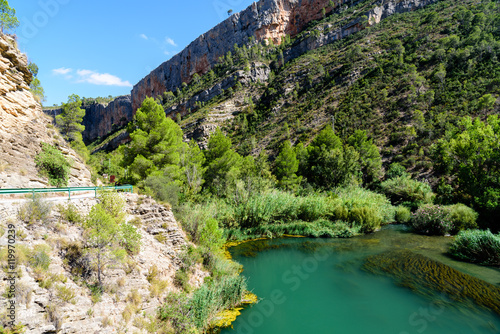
pixel 23 126
pixel 262 20
pixel 101 119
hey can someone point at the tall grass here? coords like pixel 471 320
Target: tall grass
pixel 477 246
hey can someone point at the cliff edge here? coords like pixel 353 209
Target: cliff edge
pixel 23 126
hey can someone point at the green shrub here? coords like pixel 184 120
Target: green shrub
pixel 53 165
pixel 39 257
pixel 65 294
pixel 70 213
pixel 477 246
pixel 396 170
pixel 403 214
pixel 214 297
pixel 404 190
pixel 130 238
pixel 181 280
pixel 34 210
pixel 366 217
pixel 432 220
pixel 463 217
pixel 163 189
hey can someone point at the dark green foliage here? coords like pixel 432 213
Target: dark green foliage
pixel 53 164
pixel 223 164
pixel 156 144
pixel 477 246
pixel 470 155
pixel 287 166
pixel 432 220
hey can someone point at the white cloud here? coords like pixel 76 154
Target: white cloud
pixel 103 79
pixel 61 71
pixel 144 37
pixel 170 41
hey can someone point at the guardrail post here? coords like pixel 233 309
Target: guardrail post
pixel 95 192
pixel 69 194
pixel 33 190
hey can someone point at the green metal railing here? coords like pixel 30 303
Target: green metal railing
pixel 60 190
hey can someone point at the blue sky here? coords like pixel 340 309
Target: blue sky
pixel 103 47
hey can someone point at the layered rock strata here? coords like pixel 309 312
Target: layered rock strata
pixel 23 126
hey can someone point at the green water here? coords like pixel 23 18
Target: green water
pixel 319 286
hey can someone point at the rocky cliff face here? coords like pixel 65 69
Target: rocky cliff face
pixel 263 20
pixel 23 126
pixel 101 119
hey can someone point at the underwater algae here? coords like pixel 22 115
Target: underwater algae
pixel 430 278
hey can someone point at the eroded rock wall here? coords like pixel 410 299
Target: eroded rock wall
pixel 263 20
pixel 23 126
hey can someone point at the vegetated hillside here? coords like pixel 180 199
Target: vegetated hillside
pixel 405 81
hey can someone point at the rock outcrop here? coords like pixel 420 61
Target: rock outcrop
pixel 23 126
pixel 263 20
pixel 101 119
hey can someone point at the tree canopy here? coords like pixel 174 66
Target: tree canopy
pixel 8 19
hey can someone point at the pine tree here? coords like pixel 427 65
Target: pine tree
pixel 287 166
pixel 156 143
pixel 70 120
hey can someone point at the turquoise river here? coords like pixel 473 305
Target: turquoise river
pixel 329 286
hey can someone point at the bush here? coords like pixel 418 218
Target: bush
pixel 53 165
pixel 130 238
pixel 181 280
pixel 463 217
pixel 403 214
pixel 162 189
pixel 404 190
pixel 39 257
pixel 432 220
pixel 477 246
pixel 364 208
pixel 70 213
pixel 34 210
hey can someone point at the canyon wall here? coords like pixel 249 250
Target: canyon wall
pixel 263 20
pixel 23 126
pixel 102 119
